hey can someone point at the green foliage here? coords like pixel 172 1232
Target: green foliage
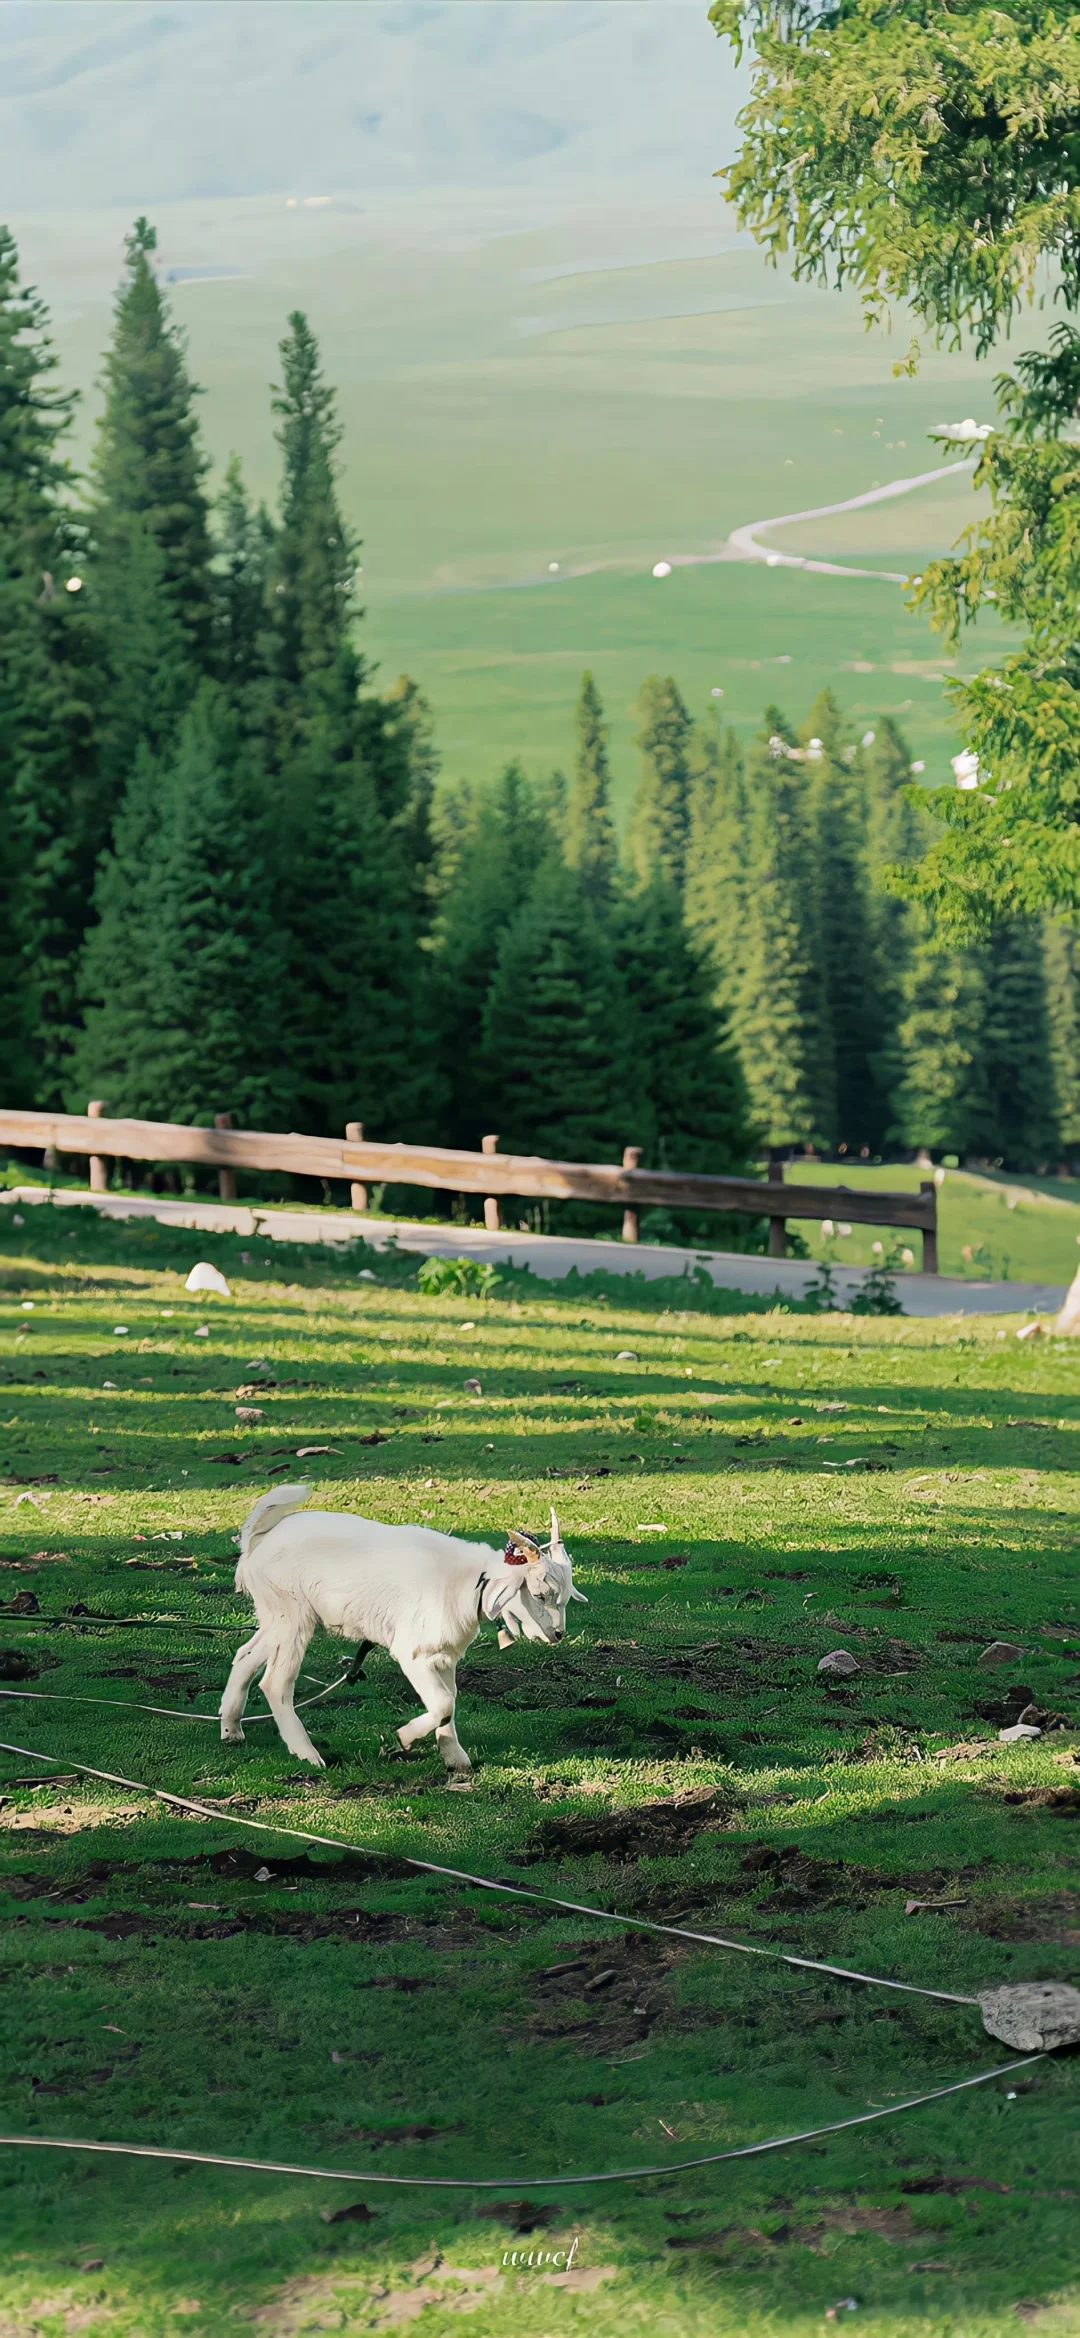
pixel 556 1057
pixel 244 545
pixel 492 845
pixel 148 466
pixel 878 1295
pixel 924 154
pixel 457 1278
pixel 782 1015
pixel 314 563
pixel 929 155
pixel 694 1111
pixel 660 820
pixel 717 856
pixel 183 972
pixel 589 831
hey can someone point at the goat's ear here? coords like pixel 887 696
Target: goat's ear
pixel 576 1594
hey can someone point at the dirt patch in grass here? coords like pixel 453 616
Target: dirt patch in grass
pixel 896 2225
pixel 649 1830
pixel 1052 1917
pixel 801 1881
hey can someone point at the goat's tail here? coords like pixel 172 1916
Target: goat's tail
pixel 269 1510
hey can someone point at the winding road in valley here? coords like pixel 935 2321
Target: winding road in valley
pixel 742 544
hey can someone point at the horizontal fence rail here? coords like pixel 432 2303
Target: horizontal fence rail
pixel 490 1174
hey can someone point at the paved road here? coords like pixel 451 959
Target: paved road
pixel 744 540
pixel 551 1255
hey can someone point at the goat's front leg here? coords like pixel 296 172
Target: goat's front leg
pixel 435 1680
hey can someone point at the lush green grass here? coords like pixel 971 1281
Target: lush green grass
pixel 157 1988
pixel 600 385
pixel 992 1227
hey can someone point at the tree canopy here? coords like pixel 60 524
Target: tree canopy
pixel 930 156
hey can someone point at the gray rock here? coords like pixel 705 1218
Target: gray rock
pixel 839 1665
pixel 1033 2016
pixel 1001 1652
pixel 1019 1731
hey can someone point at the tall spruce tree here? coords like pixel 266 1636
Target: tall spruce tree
pixel 148 467
pixel 492 844
pixel 660 819
pixel 781 1018
pixel 690 1085
pixel 356 1008
pixel 848 937
pixel 1062 966
pixel 51 825
pixel 244 543
pixel 940 1099
pixel 314 565
pixel 184 972
pixel 557 1073
pixel 717 855
pixel 1017 1067
pixel 589 836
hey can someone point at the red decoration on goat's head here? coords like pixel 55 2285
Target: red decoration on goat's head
pixel 520 1548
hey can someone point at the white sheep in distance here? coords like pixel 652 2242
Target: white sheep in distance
pixel 419 1594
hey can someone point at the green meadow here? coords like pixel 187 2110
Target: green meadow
pixel 743 1491
pixel 601 385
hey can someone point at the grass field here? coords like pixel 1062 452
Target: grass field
pixel 742 1493
pixel 991 1228
pixel 527 379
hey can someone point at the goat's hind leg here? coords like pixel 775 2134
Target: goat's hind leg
pixel 278 1683
pixel 247 1661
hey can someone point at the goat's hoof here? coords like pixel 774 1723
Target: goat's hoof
pixel 314 1760
pixel 231 1736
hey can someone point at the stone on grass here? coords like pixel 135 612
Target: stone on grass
pixel 839 1665
pixel 1019 1731
pixel 249 1414
pixel 1001 1652
pixel 1033 2016
pixel 205 1277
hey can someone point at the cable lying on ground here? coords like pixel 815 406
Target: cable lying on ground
pixel 676 2167
pixel 512 1891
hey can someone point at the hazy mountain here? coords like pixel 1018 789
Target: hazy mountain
pixel 129 102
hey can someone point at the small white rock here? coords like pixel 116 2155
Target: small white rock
pixel 840 1664
pixel 1019 1731
pixel 628 1356
pixel 365 1275
pixel 1001 1652
pixel 205 1277
pixel 249 1413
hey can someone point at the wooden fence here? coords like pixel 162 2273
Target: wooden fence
pixel 488 1173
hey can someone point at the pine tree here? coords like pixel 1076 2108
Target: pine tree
pixel 244 547
pixel 717 857
pixel 589 835
pixel 50 816
pixel 356 1008
pixel 848 939
pixel 556 1070
pixel 940 1097
pixel 184 973
pixel 491 846
pixel 148 467
pixel 313 571
pixel 659 824
pixel 693 1095
pixel 1062 968
pixel 781 1019
pixel 1017 1062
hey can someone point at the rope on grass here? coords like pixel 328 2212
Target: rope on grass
pixel 514 1891
pixel 676 2167
pixel 164 1712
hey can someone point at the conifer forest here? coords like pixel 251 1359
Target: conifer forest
pixel 231 880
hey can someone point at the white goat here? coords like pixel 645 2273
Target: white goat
pixel 418 1594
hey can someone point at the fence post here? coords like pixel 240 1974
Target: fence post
pixel 99 1166
pixel 354 1135
pixel 492 1220
pixel 929 1240
pixel 631 1160
pixel 226 1178
pixel 777 1228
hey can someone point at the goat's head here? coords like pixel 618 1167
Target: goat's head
pixel 531 1602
